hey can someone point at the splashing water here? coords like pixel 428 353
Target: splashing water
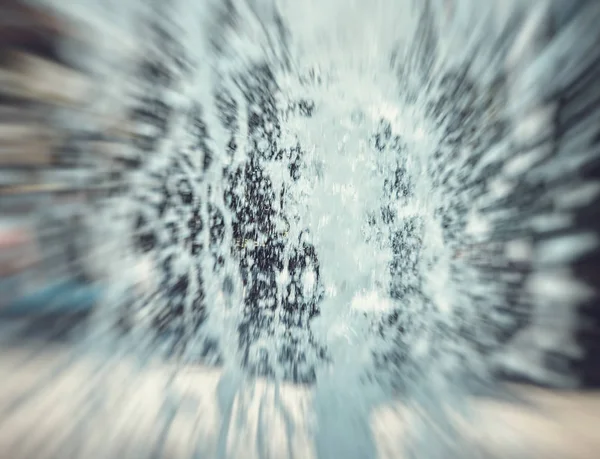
pixel 342 220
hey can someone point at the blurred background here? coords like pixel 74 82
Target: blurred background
pixel 251 228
